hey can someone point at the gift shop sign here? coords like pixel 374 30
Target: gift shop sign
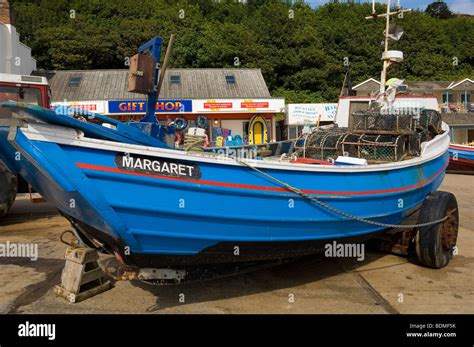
pixel 139 106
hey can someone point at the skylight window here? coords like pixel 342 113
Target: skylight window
pixel 175 79
pixel 230 79
pixel 74 81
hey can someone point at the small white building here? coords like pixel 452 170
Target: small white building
pixel 15 57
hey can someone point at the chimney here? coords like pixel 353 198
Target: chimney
pixel 5 12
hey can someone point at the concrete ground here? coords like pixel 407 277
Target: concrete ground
pixel 382 283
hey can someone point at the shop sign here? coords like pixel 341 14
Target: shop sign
pixel 215 106
pixel 275 105
pixel 139 106
pixel 301 114
pixel 254 105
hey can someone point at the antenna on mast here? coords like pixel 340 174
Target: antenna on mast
pixel 391 32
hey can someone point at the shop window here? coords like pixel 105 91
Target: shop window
pixel 245 128
pixel 292 132
pixel 295 131
pixel 230 79
pixel 277 132
pixel 175 79
pixel 448 98
pixel 465 97
pixel 269 130
pixel 75 81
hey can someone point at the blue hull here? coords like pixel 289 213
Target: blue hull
pixel 463 152
pixel 141 214
pixel 461 159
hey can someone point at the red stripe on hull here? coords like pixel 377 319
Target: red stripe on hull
pixel 461 165
pixel 468 149
pixel 261 188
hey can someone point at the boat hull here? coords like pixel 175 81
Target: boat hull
pixel 225 212
pixel 461 159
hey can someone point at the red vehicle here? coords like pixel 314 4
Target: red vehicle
pixel 29 89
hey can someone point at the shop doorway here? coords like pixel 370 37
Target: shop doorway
pixel 258 130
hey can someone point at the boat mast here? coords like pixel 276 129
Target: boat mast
pixel 383 75
pixel 387 59
pixel 154 47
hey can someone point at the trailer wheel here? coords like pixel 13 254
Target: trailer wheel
pixel 8 189
pixel 435 243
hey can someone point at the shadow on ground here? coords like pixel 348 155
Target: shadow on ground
pixel 289 275
pixel 52 268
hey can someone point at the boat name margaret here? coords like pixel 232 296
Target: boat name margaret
pixel 152 165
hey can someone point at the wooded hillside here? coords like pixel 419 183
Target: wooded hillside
pixel 300 50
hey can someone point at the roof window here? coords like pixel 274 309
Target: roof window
pixel 74 81
pixel 230 79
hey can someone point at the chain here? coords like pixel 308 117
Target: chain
pixel 335 210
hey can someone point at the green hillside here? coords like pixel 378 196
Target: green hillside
pixel 300 50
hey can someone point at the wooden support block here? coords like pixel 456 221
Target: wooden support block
pixel 81 255
pixel 71 276
pixel 92 275
pixel 82 276
pixel 73 298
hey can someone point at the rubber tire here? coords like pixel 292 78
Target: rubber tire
pixel 181 123
pixel 429 248
pixel 8 189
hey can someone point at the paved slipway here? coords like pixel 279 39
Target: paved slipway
pixel 382 283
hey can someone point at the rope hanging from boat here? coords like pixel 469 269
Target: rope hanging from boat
pixel 335 210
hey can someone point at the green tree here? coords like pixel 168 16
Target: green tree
pixel 439 9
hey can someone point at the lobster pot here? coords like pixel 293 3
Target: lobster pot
pixel 377 147
pixel 312 147
pixel 376 122
pixel 414 144
pixel 430 120
pixel 349 145
pixel 322 145
pixel 424 135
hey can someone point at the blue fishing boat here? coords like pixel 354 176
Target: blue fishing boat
pixel 127 193
pixel 461 159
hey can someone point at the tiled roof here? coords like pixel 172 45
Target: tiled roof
pixel 194 84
